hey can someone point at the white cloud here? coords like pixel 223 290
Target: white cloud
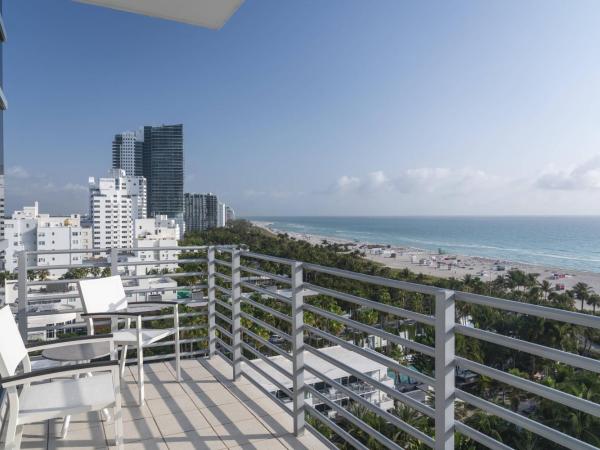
pixel 375 182
pixel 17 172
pixel 74 187
pixel 420 180
pixel 23 188
pixel 276 195
pixel 584 176
pixel 346 183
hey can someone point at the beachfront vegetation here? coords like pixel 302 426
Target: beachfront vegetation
pixel 516 285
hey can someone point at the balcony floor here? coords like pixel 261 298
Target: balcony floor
pixel 206 411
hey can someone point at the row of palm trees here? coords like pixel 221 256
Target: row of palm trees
pixel 516 285
pixel 525 286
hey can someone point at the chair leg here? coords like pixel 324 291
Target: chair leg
pixel 177 356
pixel 13 433
pixel 140 352
pixel 65 427
pixel 118 414
pixel 123 359
pixel 67 419
pixel 15 442
pixel 118 429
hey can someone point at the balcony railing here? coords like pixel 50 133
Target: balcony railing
pixel 227 276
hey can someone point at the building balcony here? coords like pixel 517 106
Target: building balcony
pixel 233 301
pixel 207 410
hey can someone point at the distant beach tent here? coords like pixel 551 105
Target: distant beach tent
pixel 211 14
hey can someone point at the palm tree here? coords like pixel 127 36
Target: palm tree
pixel 546 288
pixel 516 278
pixel 593 300
pixel 570 421
pixel 582 291
pixel 467 281
pixel 528 441
pixel 412 418
pixel 43 274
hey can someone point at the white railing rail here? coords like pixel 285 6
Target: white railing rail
pixel 113 259
pixel 230 275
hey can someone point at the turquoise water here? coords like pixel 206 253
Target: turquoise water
pixel 562 242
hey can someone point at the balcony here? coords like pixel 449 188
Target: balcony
pixel 205 411
pixel 234 301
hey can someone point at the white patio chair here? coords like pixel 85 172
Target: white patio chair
pixel 54 398
pixel 104 298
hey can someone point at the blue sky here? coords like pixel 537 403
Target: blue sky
pixel 311 107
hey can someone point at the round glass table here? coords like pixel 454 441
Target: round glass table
pixel 78 353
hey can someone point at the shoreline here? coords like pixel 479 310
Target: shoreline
pixel 428 262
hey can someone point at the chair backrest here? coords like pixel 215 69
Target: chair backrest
pixel 102 295
pixel 12 348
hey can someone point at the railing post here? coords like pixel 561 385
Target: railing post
pixel 298 346
pixel 444 370
pixel 22 286
pixel 212 335
pixel 236 300
pixel 114 261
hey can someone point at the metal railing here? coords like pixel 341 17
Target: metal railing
pixel 117 262
pixel 241 313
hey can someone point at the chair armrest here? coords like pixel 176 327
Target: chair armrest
pixel 65 371
pixel 166 302
pixel 70 341
pixel 154 306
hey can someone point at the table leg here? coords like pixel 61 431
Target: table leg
pixel 67 419
pixel 65 427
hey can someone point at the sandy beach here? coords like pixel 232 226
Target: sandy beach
pixel 450 265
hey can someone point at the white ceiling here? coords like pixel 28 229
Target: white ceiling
pixel 205 13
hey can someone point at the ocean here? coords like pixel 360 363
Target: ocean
pixel 559 241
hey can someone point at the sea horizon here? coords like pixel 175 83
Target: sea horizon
pixel 569 242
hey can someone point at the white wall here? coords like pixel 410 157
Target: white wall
pixel 29 230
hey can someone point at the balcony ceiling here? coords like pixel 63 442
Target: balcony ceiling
pixel 211 14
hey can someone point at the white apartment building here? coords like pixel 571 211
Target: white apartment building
pixel 366 366
pixel 125 152
pixel 229 214
pixel 221 215
pixel 29 230
pixel 115 202
pixel 156 234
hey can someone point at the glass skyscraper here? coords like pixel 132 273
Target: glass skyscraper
pixel 162 165
pixel 200 211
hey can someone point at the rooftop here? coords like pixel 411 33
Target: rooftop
pixel 206 411
pixel 350 358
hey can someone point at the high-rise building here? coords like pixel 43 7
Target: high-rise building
pixel 3 105
pixel 127 153
pixel 115 203
pixel 162 166
pixel 221 219
pixel 29 230
pixel 200 211
pixel 229 214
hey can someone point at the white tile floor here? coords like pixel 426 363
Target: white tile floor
pixel 205 411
